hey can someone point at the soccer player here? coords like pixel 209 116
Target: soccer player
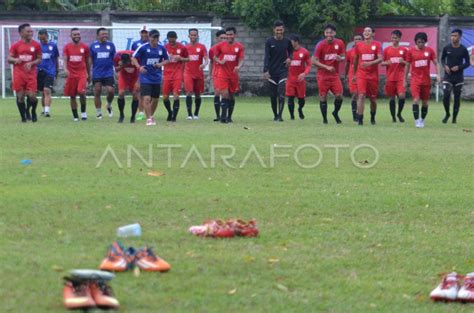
pixel 327 55
pixel 102 52
pixel 143 39
pixel 278 51
pixel 47 70
pixel 349 74
pixel 173 74
pixel 77 70
pixel 454 59
pixel 367 57
pixel 213 68
pixel 394 57
pixel 25 55
pixel 127 80
pixel 230 57
pixel 299 68
pixel 194 74
pixel 418 65
pixel 150 57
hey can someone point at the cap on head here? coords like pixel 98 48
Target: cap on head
pixel 154 33
pixel 42 32
pixel 144 29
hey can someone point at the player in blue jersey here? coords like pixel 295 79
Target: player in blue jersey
pixel 150 57
pixel 102 52
pixel 47 70
pixel 144 38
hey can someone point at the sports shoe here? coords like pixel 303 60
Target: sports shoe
pixel 99 116
pixel 120 120
pixel 140 116
pixel 466 293
pixel 189 118
pixel 213 228
pixel 195 117
pixel 448 289
pixel 149 122
pixel 217 119
pixel 103 295
pixel 300 113
pixel 109 110
pixel 147 261
pixel 244 229
pixel 77 295
pixel 75 119
pixel 400 118
pixel 47 115
pixel 116 260
pixel 336 117
pixel 417 123
pixel 422 123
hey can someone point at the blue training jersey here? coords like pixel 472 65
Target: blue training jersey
pixel 148 56
pixel 102 55
pixel 50 56
pixel 137 44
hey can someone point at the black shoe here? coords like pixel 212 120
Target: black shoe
pixel 84 118
pixel 394 120
pixel 275 119
pixel 224 121
pixel 42 113
pixel 34 118
pixel 454 121
pixel 446 118
pixel 372 121
pixel 23 120
pixel 47 115
pixel 354 117
pixel 280 119
pixel 121 118
pixel 217 119
pixel 336 117
pixel 229 120
pixel 400 118
pixel 27 115
pixel 325 121
pixel 300 112
pixel 169 118
pixel 361 122
pixel 292 117
pixel 132 120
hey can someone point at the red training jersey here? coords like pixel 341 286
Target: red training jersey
pixel 396 68
pixel 232 53
pixel 129 71
pixel 420 65
pixel 196 52
pixel 174 70
pixel 327 54
pixel 300 63
pixel 368 52
pixel 76 58
pixel 26 52
pixel 350 56
pixel 215 65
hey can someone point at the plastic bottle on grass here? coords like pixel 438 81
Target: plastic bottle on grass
pixel 132 230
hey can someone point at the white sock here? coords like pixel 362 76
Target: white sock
pixel 83 114
pixel 46 109
pixel 99 111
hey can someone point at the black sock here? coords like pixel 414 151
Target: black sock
pixel 175 109
pixel 337 105
pixel 121 105
pixel 457 104
pixel 134 108
pixel 198 106
pixel 274 102
pixel 281 106
pixel 401 104
pixel 189 105
pixel 224 109
pixel 360 118
pixel 424 112
pixel 301 102
pixel 447 100
pixel 32 104
pixel 416 111
pixel 74 113
pixel 22 109
pixel 83 108
pixel 231 107
pixel 291 106
pixel 28 104
pixel 392 107
pixel 217 106
pixel 354 107
pixel 167 105
pixel 324 109
pixel 372 115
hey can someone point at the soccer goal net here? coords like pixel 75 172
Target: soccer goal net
pixel 121 34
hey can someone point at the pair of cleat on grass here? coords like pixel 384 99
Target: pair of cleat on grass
pixel 225 229
pixel 119 259
pixel 451 289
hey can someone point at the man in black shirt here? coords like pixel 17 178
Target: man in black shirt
pixel 278 50
pixel 454 59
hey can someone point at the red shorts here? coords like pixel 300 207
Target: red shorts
pixel 75 86
pixel 420 92
pixel 296 89
pixel 352 86
pixel 25 82
pixel 230 84
pixel 394 88
pixel 172 87
pixel 192 84
pixel 332 84
pixel 369 88
pixel 127 83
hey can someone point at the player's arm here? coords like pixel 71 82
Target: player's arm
pixel 88 68
pixel 266 60
pixel 205 61
pixel 438 70
pixel 386 60
pixel 378 60
pixel 465 57
pixel 289 51
pixel 318 64
pixel 354 67
pixel 443 61
pixel 12 59
pixel 307 69
pixel 407 70
pixel 241 61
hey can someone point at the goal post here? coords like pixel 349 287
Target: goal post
pixel 122 34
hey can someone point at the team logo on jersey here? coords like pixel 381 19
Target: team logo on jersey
pixel 50 48
pixel 32 49
pixel 198 49
pixel 96 46
pixel 178 51
pixel 301 55
pixel 148 50
pixel 82 50
pixel 374 47
pixel 401 52
pixel 336 47
pixel 426 54
pixel 108 47
pixel 159 52
pixel 236 50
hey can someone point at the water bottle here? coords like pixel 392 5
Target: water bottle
pixel 132 230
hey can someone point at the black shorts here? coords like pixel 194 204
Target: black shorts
pixel 107 81
pixel 278 78
pixel 44 81
pixel 150 90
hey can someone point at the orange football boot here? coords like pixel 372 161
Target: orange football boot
pixel 77 295
pixel 147 261
pixel 103 295
pixel 116 261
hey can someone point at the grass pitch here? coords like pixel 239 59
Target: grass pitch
pixel 333 239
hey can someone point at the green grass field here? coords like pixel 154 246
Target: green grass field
pixel 333 239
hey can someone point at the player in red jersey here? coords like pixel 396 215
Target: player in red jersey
pixel 230 57
pixel 368 56
pixel 25 55
pixel 327 55
pixel 349 73
pixel 194 74
pixel 299 68
pixel 127 80
pixel 77 70
pixel 213 67
pixel 472 57
pixel 394 58
pixel 418 65
pixel 173 74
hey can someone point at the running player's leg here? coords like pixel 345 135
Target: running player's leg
pixel 390 92
pixel 198 90
pixel 109 87
pixel 372 91
pixel 274 98
pixel 46 100
pixel 425 96
pixel 31 99
pixel 176 91
pixel 73 103
pixel 135 101
pixel 121 104
pixel 20 103
pixel 401 100
pixel 323 102
pixel 415 92
pixel 188 88
pixel 447 89
pixel 457 101
pixel 337 91
pixel 290 93
pixel 281 98
pixel 167 88
pixel 361 90
pixel 97 100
